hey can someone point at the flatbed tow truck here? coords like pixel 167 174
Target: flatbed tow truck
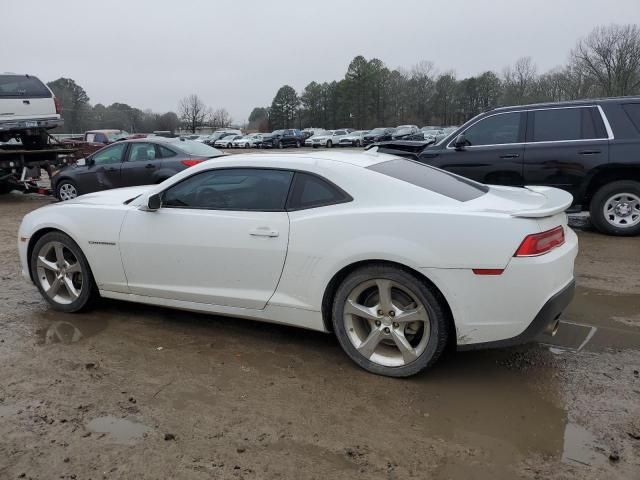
pixel 20 167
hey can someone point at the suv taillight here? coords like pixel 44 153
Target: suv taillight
pixel 190 162
pixel 540 243
pixel 58 105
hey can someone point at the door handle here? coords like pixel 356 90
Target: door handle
pixel 510 155
pixel 588 152
pixel 263 232
pixel 149 165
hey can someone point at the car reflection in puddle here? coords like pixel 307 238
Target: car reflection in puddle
pixel 56 327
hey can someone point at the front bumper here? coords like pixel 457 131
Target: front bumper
pixel 36 123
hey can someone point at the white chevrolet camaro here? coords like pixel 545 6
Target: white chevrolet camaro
pixel 396 258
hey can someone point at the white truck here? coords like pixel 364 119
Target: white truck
pixel 28 109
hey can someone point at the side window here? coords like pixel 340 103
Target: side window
pixel 310 191
pixel 91 137
pixel 633 112
pixel 495 130
pixel 231 189
pixel 112 154
pixel 565 124
pixel 100 138
pixel 165 152
pixel 142 152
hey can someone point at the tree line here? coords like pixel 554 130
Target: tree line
pixel 79 115
pixel 604 63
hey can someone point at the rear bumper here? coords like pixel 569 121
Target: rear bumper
pixel 546 317
pixel 18 125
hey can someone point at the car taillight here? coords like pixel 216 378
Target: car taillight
pixel 190 162
pixel 540 243
pixel 58 105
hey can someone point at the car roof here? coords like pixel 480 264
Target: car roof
pixel 576 103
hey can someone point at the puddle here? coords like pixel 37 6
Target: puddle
pixel 119 430
pixel 579 447
pixel 56 327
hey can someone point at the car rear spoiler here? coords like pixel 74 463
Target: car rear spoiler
pixel 556 201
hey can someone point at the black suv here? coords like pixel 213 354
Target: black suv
pixel 591 148
pixel 379 134
pixel 283 138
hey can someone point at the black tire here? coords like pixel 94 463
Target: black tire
pixel 66 181
pixel 329 144
pixel 437 318
pixel 358 143
pixel 88 292
pixel 298 144
pixel 280 145
pixel 597 205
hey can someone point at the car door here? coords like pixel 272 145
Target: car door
pixel 493 151
pixel 563 145
pixel 220 237
pixel 102 169
pixel 140 164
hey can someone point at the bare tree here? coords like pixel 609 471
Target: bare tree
pixel 220 118
pixel 611 55
pixel 519 81
pixel 193 111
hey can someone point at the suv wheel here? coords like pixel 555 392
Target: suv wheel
pixel 280 145
pixel 66 190
pixel 297 143
pixel 329 144
pixel 615 208
pixel 388 321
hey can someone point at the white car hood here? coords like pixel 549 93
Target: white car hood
pixel 117 196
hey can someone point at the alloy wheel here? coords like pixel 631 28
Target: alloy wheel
pixel 59 273
pixel 67 191
pixel 622 210
pixel 386 322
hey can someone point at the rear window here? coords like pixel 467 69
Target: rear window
pixel 196 148
pixel 430 178
pixel 566 124
pixel 12 86
pixel 633 112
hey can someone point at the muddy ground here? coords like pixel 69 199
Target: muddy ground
pixel 128 391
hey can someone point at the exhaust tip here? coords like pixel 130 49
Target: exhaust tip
pixel 552 328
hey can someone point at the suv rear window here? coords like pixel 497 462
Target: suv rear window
pixel 12 86
pixel 430 178
pixel 559 124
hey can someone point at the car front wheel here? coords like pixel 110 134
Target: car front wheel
pixel 615 208
pixel 388 321
pixel 66 190
pixel 329 144
pixel 61 272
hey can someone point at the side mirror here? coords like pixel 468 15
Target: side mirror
pixel 154 202
pixel 460 142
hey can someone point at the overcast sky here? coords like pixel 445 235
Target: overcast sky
pixel 150 53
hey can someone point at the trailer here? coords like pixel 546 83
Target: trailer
pixel 21 168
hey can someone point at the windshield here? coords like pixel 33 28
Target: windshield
pixel 378 131
pixel 115 136
pixel 196 148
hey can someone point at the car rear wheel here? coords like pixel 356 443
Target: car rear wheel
pixel 329 144
pixel 61 273
pixel 280 145
pixel 615 208
pixel 66 190
pixel 358 143
pixel 388 321
pixel 298 144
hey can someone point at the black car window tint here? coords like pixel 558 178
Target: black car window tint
pixel 430 178
pixel 231 189
pixel 311 191
pixel 164 152
pixel 633 112
pixel 111 154
pixel 494 130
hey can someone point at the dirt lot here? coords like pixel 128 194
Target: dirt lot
pixel 128 391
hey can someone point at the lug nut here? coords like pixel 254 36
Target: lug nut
pixel 392 313
pixel 377 323
pixel 386 329
pixel 380 312
pixel 396 325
